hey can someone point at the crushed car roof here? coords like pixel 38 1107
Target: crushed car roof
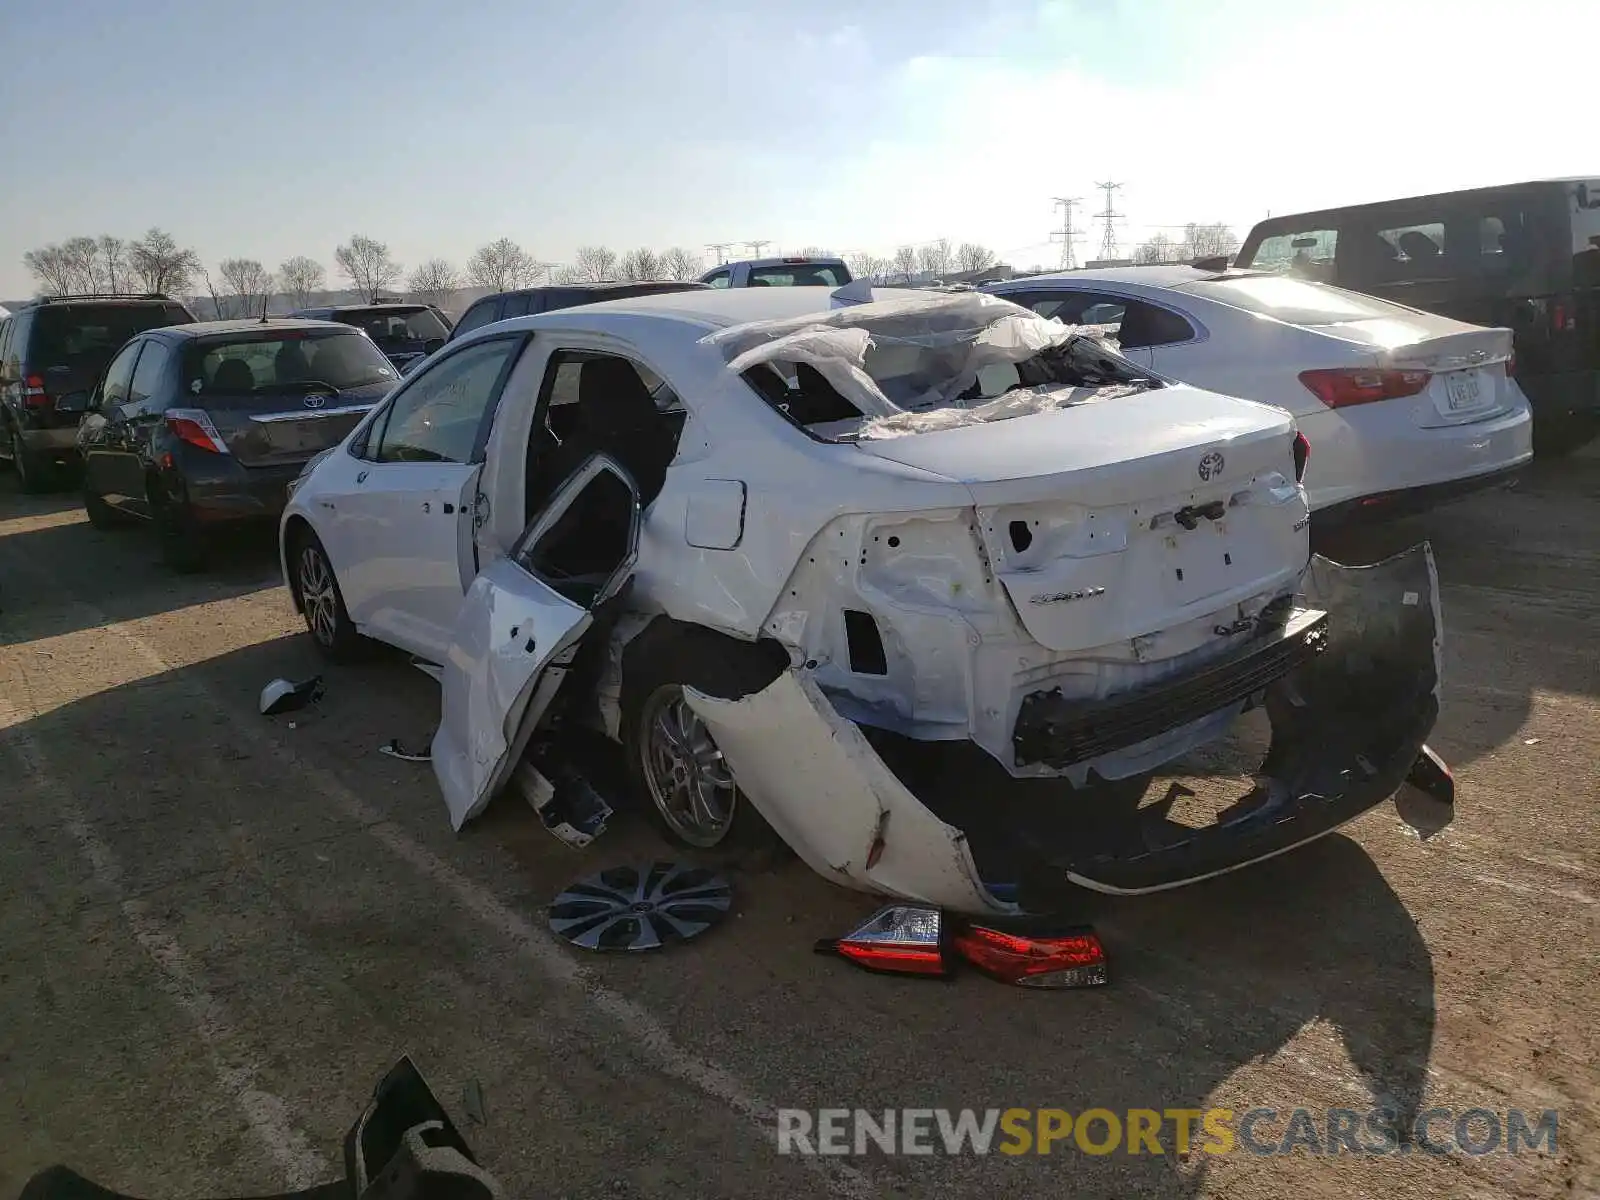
pixel 711 308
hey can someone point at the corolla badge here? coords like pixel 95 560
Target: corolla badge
pixel 1064 597
pixel 1211 465
pixel 315 400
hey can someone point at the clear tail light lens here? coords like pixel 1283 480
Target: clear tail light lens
pixel 905 939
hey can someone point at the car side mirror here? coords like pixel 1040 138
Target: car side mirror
pixel 433 345
pixel 73 402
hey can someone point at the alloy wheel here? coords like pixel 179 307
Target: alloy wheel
pixel 689 780
pixel 318 597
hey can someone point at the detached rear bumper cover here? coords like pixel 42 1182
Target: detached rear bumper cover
pixel 1347 725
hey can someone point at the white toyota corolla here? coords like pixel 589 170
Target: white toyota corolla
pixel 864 572
pixel 1406 409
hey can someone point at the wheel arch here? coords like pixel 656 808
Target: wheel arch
pixel 295 530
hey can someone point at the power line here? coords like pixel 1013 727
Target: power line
pixel 721 249
pixel 1066 235
pixel 1108 241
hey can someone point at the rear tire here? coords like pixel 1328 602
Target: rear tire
pixel 676 772
pixel 101 515
pixel 183 547
pixel 33 476
pixel 322 603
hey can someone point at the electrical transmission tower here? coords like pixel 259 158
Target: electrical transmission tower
pixel 1108 240
pixel 755 246
pixel 1066 235
pixel 721 249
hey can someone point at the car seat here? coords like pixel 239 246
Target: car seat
pixel 233 375
pixel 616 416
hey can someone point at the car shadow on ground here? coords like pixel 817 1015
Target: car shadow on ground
pixel 241 561
pixel 1206 981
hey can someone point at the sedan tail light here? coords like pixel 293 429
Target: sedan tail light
pixel 1057 961
pixel 194 425
pixel 1302 455
pixel 1343 387
pixel 33 393
pixel 904 939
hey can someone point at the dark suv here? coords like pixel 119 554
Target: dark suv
pixel 51 353
pixel 404 331
pixel 202 425
pixel 524 302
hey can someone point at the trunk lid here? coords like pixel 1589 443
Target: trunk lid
pixel 283 428
pixel 1467 363
pixel 1123 517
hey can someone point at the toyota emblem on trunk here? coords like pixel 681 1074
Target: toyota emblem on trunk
pixel 316 400
pixel 1211 465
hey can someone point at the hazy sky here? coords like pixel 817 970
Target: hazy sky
pixel 267 129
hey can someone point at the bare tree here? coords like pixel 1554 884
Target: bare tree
pixel 502 265
pixel 973 257
pixel 1208 241
pixel 642 263
pixel 50 267
pixel 595 263
pixel 367 264
pixel 936 258
pixel 864 265
pixel 159 264
pixel 435 281
pixel 563 274
pixel 1159 249
pixel 301 278
pixel 678 263
pixel 904 262
pixel 246 286
pixel 83 258
pixel 816 252
pixel 113 261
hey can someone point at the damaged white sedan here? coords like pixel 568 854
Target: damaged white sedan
pixel 923 583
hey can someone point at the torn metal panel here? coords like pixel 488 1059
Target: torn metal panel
pixel 819 784
pixel 1347 724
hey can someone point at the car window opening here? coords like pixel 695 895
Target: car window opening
pixel 601 404
pixel 586 544
pixel 902 367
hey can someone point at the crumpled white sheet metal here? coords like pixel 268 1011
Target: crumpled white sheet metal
pixel 962 334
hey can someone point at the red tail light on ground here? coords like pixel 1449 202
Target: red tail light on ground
pixel 33 394
pixel 1065 960
pixel 902 939
pixel 194 425
pixel 1343 387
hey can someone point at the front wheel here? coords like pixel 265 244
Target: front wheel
pixel 674 763
pixel 322 603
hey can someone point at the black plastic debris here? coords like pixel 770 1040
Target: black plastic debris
pixel 472 1101
pixel 281 696
pixel 565 800
pixel 629 909
pixel 1431 774
pixel 395 750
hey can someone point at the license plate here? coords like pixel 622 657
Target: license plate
pixel 1464 390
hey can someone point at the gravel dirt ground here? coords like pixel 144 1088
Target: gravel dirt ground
pixel 219 929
